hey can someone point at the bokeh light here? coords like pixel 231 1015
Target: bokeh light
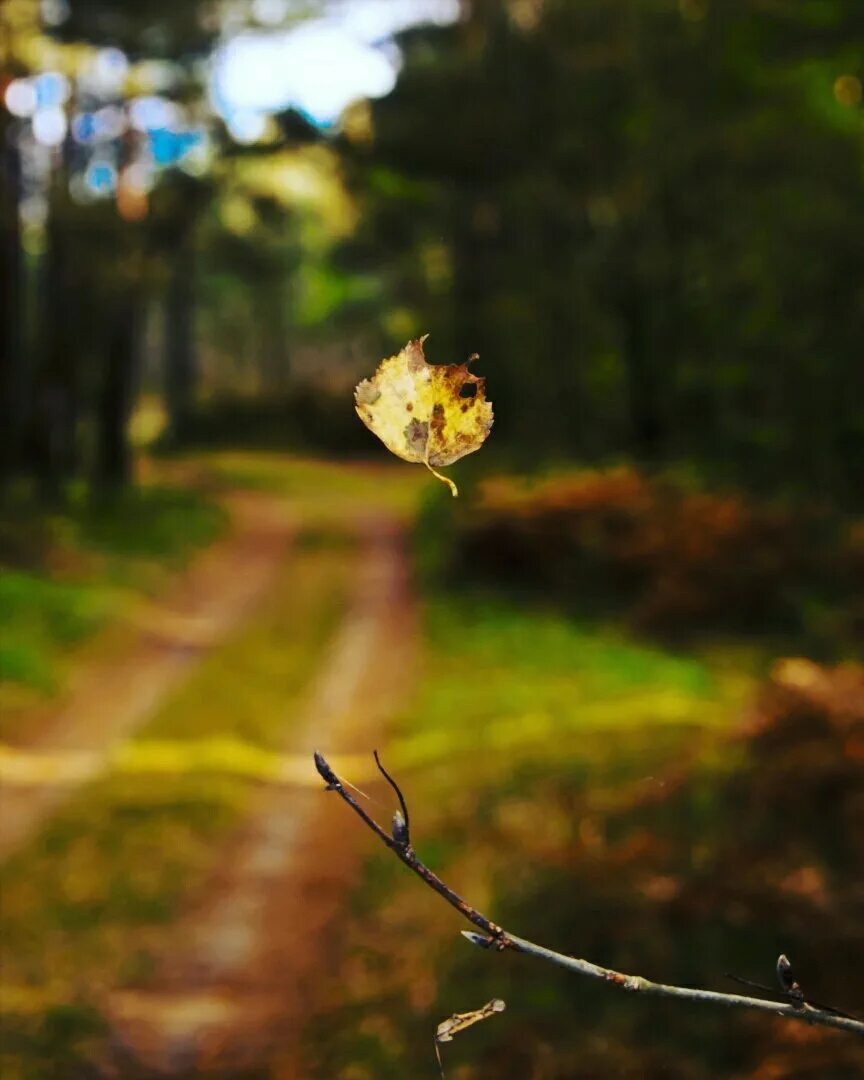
pixel 848 90
pixel 270 12
pixel 135 183
pixel 152 113
pixel 52 89
pixel 247 126
pixel 20 97
pixel 101 178
pixel 50 126
pixel 54 12
pixel 316 68
pixel 105 75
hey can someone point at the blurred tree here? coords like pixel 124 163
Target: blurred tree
pixel 141 246
pixel 94 312
pixel 176 212
pixel 647 212
pixel 18 25
pixel 643 213
pixel 121 365
pixel 143 28
pixel 12 371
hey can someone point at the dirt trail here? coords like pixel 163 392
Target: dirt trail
pixel 111 698
pixel 235 979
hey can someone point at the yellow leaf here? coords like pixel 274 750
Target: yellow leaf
pixel 432 414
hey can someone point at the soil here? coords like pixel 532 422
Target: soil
pixel 113 695
pixel 238 973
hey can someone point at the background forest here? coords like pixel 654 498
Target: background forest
pixel 619 677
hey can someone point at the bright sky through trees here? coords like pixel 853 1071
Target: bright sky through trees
pixel 318 66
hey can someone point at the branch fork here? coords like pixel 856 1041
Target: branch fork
pixel 495 938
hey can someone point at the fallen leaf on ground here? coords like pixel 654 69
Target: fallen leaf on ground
pixel 431 414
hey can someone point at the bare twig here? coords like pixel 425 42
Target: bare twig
pixel 450 1027
pixel 790 987
pixel 405 852
pixel 495 937
pixel 404 834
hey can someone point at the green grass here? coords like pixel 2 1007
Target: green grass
pixel 325 491
pixel 528 730
pixel 506 680
pixel 85 905
pixel 39 617
pixel 148 523
pixel 82 902
pixel 246 691
pixel 67 574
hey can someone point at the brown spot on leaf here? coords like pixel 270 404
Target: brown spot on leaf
pixel 443 432
pixel 415 357
pixel 417 435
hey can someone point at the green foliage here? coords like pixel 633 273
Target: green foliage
pixel 642 213
pixel 526 732
pixel 59 1040
pixel 65 574
pixel 88 902
pixel 269 662
pixel 149 27
pixel 162 523
pixel 39 616
pixel 305 418
pixel 614 834
pixel 319 491
pixel 507 682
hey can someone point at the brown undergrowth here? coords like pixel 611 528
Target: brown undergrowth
pixel 754 849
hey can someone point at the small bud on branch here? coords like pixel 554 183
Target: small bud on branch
pixel 497 939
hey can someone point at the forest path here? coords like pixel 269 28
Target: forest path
pixel 233 982
pixel 113 696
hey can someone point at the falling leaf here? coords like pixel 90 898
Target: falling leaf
pixel 432 414
pixel 460 1021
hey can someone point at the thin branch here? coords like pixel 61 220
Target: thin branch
pixel 406 834
pixel 795 993
pixel 405 852
pixel 495 937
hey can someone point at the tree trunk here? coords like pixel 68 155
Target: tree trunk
pixel 55 404
pixel 643 383
pixel 13 375
pixel 113 466
pixel 181 368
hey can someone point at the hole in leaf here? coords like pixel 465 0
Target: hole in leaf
pixel 469 389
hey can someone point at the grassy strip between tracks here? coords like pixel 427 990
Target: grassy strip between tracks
pixel 84 905
pixel 67 574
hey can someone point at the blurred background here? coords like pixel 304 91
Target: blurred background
pixel 619 678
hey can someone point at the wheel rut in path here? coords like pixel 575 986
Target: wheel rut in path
pixel 234 984
pixel 113 697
